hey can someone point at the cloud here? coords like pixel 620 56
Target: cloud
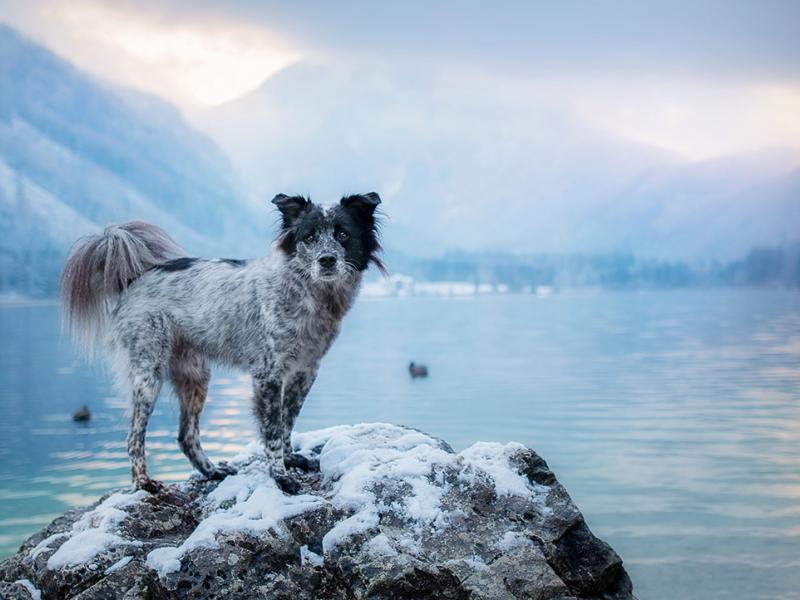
pixel 701 79
pixel 714 38
pixel 695 118
pixel 192 63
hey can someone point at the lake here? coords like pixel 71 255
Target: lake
pixel 673 418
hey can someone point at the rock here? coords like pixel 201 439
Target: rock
pixel 392 513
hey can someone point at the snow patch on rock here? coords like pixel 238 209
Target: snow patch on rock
pixel 32 590
pixel 511 540
pixel 91 534
pixel 122 562
pixel 307 556
pixel 248 501
pixel 492 459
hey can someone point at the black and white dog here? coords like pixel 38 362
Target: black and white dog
pixel 157 314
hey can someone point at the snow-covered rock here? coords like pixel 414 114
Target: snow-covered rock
pixel 391 513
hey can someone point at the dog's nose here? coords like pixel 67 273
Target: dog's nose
pixel 327 261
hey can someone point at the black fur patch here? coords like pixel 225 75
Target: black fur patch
pixel 181 264
pixel 291 208
pixel 176 264
pixel 297 227
pixel 234 262
pixel 356 214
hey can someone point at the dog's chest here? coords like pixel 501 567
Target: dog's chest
pixel 302 336
pixel 316 333
pixel 305 320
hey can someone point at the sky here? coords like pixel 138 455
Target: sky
pixel 701 79
pixel 668 129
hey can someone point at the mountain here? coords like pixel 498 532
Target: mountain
pixel 485 163
pixel 719 208
pixel 77 153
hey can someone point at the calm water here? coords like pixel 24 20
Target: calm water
pixel 673 418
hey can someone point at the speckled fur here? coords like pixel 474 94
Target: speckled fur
pixel 274 317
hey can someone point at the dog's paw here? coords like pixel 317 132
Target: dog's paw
pixel 221 472
pixel 286 483
pixel 150 485
pixel 299 461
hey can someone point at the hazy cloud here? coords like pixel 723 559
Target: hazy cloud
pixel 698 78
pixel 713 38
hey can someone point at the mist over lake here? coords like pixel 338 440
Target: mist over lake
pixel 671 417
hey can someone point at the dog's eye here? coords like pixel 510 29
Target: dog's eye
pixel 310 238
pixel 342 236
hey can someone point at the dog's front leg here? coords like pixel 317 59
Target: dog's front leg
pixel 294 394
pixel 267 405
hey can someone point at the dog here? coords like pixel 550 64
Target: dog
pixel 157 314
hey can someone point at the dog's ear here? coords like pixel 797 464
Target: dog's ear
pixel 363 205
pixel 291 208
pixel 362 208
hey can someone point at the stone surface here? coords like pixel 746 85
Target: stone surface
pixel 392 513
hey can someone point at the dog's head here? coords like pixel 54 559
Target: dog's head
pixel 331 244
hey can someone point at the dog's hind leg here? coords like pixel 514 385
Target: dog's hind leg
pixel 145 385
pixel 190 375
pixel 141 347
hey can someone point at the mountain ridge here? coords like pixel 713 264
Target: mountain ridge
pixel 93 153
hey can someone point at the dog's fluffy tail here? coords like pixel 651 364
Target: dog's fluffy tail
pixel 100 267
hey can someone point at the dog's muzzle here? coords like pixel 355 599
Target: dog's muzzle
pixel 327 267
pixel 327 262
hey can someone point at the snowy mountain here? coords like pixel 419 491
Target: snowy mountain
pixel 506 170
pixel 77 153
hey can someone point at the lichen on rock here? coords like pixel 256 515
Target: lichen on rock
pixel 391 513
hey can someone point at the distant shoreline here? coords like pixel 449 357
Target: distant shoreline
pixel 461 289
pixel 19 300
